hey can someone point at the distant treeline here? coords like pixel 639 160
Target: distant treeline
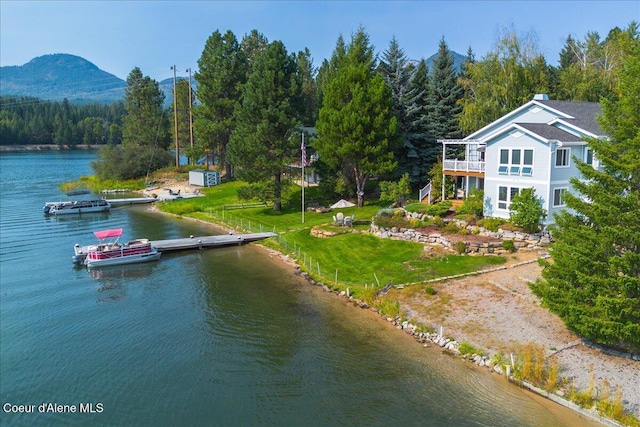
pixel 26 121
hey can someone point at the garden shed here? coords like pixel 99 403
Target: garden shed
pixel 204 178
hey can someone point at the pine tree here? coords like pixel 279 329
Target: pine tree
pixel 444 94
pixel 145 133
pixel 356 127
pixel 396 73
pixel 417 134
pixel 593 283
pixel 261 147
pixel 221 74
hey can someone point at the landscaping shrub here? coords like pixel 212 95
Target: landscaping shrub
pixel 508 245
pixel 461 247
pixel 473 205
pixel 415 207
pixel 491 224
pixel 527 211
pixel 438 209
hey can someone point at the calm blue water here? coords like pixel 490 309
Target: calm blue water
pixel 221 337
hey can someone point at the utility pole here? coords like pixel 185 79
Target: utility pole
pixel 190 113
pixel 175 118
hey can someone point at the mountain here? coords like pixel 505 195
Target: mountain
pixel 458 60
pixel 58 76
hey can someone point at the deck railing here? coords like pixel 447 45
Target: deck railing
pixel 462 166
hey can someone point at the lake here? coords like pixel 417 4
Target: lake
pixel 219 337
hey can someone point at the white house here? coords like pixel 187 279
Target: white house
pixel 532 146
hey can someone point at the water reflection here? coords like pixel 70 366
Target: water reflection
pixel 115 280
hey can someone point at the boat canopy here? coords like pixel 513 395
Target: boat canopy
pixel 105 234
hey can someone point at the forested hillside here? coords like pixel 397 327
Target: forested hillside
pixel 32 121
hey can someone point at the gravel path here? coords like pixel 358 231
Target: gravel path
pixel 496 311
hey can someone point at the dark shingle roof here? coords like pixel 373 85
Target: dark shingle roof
pixel 550 132
pixel 584 113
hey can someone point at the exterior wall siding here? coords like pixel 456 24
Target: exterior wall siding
pixel 529 115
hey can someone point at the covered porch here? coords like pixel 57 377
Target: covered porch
pixel 464 160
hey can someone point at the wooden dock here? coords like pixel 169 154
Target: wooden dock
pixel 192 242
pixel 204 242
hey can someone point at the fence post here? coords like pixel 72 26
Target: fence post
pixel 336 279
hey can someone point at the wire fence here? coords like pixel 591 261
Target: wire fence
pixel 291 248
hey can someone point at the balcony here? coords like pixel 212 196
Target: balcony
pixel 462 167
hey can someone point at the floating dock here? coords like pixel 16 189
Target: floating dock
pixel 201 242
pixel 208 241
pixel 131 201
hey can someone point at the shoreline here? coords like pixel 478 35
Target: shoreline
pixel 48 147
pixel 575 359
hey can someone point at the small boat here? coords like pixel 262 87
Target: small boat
pixel 107 253
pixel 76 206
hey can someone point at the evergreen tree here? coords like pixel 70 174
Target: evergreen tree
pixel 145 133
pixel 356 126
pixel 221 74
pixel 593 283
pixel 417 134
pixel 308 89
pixel 444 94
pixel 261 146
pixel 396 73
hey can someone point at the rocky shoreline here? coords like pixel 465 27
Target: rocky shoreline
pixel 580 360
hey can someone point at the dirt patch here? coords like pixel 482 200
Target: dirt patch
pixel 497 312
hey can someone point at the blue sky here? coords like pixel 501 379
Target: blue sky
pixel 154 35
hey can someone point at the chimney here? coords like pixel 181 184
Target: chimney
pixel 541 97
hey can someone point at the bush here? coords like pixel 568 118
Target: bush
pixel 527 211
pixel 438 209
pixel 461 247
pixel 473 205
pixel 491 224
pixel 415 207
pixel 508 245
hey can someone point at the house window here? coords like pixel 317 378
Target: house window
pixel 588 157
pixel 562 157
pixel 516 162
pixel 558 196
pixel 506 195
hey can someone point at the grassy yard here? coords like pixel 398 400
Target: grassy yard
pixel 351 259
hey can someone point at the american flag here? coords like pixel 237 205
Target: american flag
pixel 304 153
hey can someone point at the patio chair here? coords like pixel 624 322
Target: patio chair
pixel 348 221
pixel 340 218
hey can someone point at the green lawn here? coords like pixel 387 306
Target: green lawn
pixel 358 258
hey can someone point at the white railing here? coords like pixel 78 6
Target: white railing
pixel 462 166
pixel 426 191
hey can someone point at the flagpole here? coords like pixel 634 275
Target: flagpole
pixel 302 162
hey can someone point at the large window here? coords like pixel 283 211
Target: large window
pixel 516 162
pixel 562 157
pixel 558 196
pixel 506 195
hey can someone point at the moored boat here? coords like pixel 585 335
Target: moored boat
pixel 107 253
pixel 76 206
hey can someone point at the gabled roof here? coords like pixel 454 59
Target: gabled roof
pixel 550 132
pixel 583 114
